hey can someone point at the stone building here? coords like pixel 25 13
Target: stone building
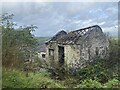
pixel 41 50
pixel 77 47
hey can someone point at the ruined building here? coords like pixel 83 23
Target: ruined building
pixel 77 47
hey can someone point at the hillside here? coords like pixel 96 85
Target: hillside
pixel 42 39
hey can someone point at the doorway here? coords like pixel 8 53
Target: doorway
pixel 61 55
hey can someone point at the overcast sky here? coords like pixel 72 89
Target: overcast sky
pixel 51 17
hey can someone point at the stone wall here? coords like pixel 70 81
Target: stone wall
pixel 92 43
pixel 86 48
pixel 52 60
pixel 72 53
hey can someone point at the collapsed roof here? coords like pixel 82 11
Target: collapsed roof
pixel 70 38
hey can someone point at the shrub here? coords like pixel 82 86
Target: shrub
pixel 95 72
pixel 114 83
pixel 70 82
pixel 89 83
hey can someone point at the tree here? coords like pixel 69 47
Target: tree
pixel 18 44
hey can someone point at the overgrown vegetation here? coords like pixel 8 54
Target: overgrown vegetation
pixel 17 44
pixel 13 78
pixel 22 68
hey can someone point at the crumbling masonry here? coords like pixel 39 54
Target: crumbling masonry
pixel 77 47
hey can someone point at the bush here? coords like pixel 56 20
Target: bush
pixel 114 83
pixel 70 82
pixel 95 72
pixel 89 83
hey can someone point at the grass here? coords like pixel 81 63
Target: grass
pixel 0 77
pixel 13 78
pixel 17 79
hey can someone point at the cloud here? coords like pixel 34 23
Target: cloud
pixel 50 17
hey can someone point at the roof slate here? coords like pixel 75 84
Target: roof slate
pixel 70 38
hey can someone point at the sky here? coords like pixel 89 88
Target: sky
pixel 52 17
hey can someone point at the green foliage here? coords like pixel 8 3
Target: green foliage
pixel 13 78
pixel 103 70
pixel 89 83
pixel 38 80
pixel 1 77
pixel 95 72
pixel 17 79
pixel 18 44
pixel 70 82
pixel 114 52
pixel 114 83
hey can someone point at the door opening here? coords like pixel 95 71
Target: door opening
pixel 61 55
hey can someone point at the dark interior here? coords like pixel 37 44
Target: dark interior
pixel 61 55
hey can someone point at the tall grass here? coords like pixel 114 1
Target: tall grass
pixel 13 78
pixel 17 79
